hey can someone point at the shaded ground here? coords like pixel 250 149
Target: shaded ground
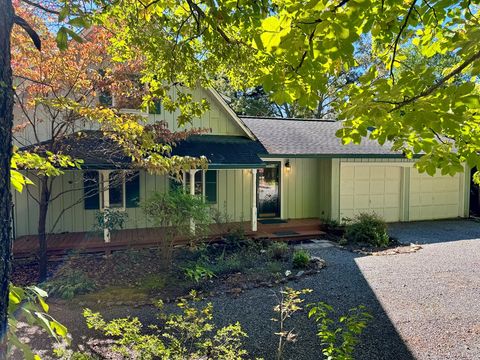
pixel 426 304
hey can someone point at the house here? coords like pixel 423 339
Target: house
pixel 259 168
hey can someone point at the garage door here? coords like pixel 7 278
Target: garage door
pixel 436 197
pixel 370 188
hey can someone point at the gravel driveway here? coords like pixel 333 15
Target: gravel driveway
pixel 426 305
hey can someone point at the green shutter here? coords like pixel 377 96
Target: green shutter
pixel 91 196
pixel 156 108
pixel 132 189
pixel 211 186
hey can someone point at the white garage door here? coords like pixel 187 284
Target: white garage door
pixel 436 197
pixel 370 188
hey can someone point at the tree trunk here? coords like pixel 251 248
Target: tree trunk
pixel 42 224
pixel 6 123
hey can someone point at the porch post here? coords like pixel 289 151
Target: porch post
pixel 106 203
pixel 254 199
pixel 192 192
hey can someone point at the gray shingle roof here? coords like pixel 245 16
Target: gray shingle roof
pixel 310 137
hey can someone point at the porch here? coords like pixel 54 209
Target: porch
pixel 87 242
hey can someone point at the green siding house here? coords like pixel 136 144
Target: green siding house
pixel 259 168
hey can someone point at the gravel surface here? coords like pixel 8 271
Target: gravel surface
pixel 426 305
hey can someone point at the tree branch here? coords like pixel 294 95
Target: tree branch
pixel 397 39
pixel 41 7
pixel 434 87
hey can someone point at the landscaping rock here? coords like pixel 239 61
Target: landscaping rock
pixel 300 273
pixel 317 263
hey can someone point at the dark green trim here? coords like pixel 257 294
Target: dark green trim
pixel 338 156
pixel 235 166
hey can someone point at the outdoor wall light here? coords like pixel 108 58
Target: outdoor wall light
pixel 287 166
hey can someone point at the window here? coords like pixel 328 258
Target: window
pixel 116 182
pixel 123 189
pixel 91 194
pixel 207 188
pixel 132 189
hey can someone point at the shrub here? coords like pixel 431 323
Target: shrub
pixel 278 250
pixel 69 283
pixel 190 334
pixel 229 264
pixel 274 267
pixel 110 219
pixel 301 259
pixel 198 273
pixel 368 228
pixel 340 337
pixel 173 211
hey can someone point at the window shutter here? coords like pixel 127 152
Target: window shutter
pixel 132 187
pixel 211 186
pixel 91 195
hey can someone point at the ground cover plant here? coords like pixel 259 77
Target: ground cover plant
pixel 232 264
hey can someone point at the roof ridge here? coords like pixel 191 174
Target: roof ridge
pixel 286 119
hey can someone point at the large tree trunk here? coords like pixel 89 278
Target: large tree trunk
pixel 6 123
pixel 42 223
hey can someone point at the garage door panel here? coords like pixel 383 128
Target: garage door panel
pixel 361 201
pixel 392 200
pixel 362 173
pixel 361 187
pixel 435 197
pixel 375 189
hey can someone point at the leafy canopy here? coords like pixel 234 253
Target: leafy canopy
pixel 294 48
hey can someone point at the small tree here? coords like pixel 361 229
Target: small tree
pixel 175 211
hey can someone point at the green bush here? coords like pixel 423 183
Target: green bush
pixel 173 211
pixel 274 267
pixel 198 273
pixel 339 337
pixel 110 219
pixel 278 250
pixel 186 334
pixel 301 259
pixel 229 264
pixel 368 228
pixel 69 283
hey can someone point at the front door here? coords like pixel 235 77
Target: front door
pixel 268 190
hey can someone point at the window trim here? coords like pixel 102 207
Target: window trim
pixel 103 187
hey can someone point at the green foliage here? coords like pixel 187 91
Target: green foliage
pixel 278 250
pixel 198 273
pixel 339 337
pixel 289 303
pixel 274 267
pixel 190 334
pixel 110 219
pixel 28 305
pixel 301 259
pixel 294 48
pixel 368 228
pixel 174 211
pixel 68 283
